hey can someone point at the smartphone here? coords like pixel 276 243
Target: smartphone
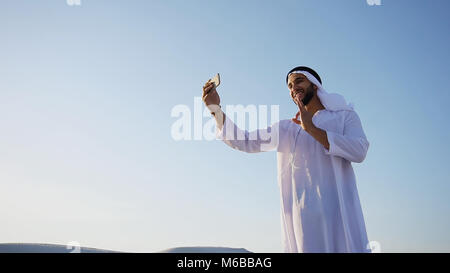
pixel 216 80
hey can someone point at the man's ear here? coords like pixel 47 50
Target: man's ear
pixel 315 87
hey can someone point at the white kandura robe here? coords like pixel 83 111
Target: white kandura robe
pixel 320 207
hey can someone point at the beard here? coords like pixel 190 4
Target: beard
pixel 309 95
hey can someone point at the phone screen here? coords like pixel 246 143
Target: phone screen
pixel 216 80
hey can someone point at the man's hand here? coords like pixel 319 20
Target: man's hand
pixel 212 101
pixel 307 125
pixel 210 95
pixel 305 117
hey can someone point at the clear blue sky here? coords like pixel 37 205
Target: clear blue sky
pixel 86 94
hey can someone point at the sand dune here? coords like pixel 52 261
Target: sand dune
pixel 204 249
pixel 54 248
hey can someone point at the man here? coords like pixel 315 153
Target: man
pixel 320 207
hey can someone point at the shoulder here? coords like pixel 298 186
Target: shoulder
pixel 283 124
pixel 346 114
pixel 350 118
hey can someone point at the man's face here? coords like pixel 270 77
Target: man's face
pixel 300 88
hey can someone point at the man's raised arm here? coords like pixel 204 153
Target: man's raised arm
pixel 251 142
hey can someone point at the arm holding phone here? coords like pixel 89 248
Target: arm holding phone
pixel 251 142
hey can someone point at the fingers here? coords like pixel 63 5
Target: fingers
pixel 207 83
pixel 296 121
pixel 294 98
pixel 208 87
pixel 296 118
pixel 206 94
pixel 298 102
pixel 301 106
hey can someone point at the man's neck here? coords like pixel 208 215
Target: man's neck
pixel 314 105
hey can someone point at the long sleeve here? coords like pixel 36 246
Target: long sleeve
pixel 260 140
pixel 352 144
